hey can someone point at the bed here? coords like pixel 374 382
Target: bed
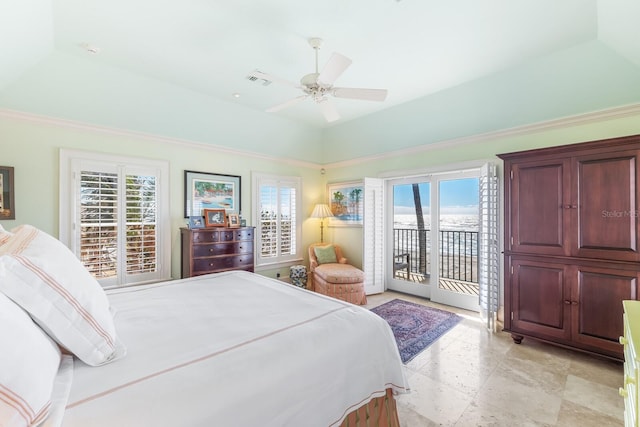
pixel 227 349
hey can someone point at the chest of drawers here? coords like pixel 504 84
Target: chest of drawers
pixel 211 250
pixel 631 343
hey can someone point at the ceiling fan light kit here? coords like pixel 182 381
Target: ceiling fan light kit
pixel 319 85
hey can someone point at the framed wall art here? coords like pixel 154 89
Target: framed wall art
pixel 346 201
pixel 7 197
pixel 203 190
pixel 215 218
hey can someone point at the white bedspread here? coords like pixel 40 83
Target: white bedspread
pixel 235 349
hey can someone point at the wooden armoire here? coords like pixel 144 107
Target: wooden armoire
pixel 571 242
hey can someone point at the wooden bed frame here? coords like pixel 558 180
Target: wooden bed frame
pixel 380 412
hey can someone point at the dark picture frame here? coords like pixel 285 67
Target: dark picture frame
pixel 204 190
pixel 196 222
pixel 215 217
pixel 7 195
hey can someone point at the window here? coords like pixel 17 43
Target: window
pixel 114 216
pixel 276 210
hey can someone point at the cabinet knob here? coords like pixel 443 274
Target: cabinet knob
pixel 622 392
pixel 629 380
pixel 211 250
pixel 567 302
pixel 623 341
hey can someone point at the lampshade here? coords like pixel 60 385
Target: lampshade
pixel 321 211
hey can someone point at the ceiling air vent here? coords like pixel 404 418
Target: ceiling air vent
pixel 253 78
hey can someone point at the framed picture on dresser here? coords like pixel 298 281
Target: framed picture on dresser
pixel 215 218
pixel 196 222
pixel 234 220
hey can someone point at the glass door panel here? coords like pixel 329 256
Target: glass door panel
pixel 457 220
pixel 410 252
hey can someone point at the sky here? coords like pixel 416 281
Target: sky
pixel 459 193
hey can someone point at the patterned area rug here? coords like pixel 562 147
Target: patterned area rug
pixel 415 326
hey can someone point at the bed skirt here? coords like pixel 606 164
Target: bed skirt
pixel 380 412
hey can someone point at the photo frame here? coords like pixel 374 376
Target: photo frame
pixel 346 201
pixel 7 195
pixel 234 220
pixel 215 217
pixel 196 222
pixel 203 190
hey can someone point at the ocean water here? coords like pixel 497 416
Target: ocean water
pixel 448 222
pixel 449 243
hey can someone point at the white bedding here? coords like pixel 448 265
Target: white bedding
pixel 235 349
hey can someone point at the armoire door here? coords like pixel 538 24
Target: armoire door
pixel 539 296
pixel 597 317
pixel 606 206
pixel 540 193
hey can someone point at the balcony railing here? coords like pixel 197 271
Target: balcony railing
pixel 458 253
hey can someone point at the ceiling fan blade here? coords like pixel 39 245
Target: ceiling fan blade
pixel 268 77
pixel 287 104
pixel 363 94
pixel 328 110
pixel 336 65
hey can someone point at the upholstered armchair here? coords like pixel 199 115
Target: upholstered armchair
pixel 332 275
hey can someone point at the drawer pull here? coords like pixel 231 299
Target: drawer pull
pixel 622 392
pixel 629 380
pixel 623 341
pixel 211 250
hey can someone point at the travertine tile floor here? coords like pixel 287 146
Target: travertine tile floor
pixel 471 377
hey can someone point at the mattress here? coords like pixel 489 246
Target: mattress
pixel 235 349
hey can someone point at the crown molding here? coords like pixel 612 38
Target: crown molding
pixel 71 124
pixel 591 117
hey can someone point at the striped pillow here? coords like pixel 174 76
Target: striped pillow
pixel 46 279
pixel 4 235
pixel 29 362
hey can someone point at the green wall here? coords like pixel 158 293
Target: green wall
pixel 484 147
pixel 32 147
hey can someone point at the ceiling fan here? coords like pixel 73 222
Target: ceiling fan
pixel 319 85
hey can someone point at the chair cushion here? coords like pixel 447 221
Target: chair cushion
pixel 339 273
pixel 325 254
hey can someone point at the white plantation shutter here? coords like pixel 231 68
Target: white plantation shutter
pixel 268 221
pixel 278 224
pixel 98 211
pixel 141 223
pixel 288 212
pixel 115 217
pixel 373 236
pixel 488 258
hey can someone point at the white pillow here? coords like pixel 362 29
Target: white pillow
pixel 29 362
pixel 46 279
pixel 4 235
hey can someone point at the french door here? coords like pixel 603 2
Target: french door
pixel 435 237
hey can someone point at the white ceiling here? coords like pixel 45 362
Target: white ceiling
pixel 413 48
